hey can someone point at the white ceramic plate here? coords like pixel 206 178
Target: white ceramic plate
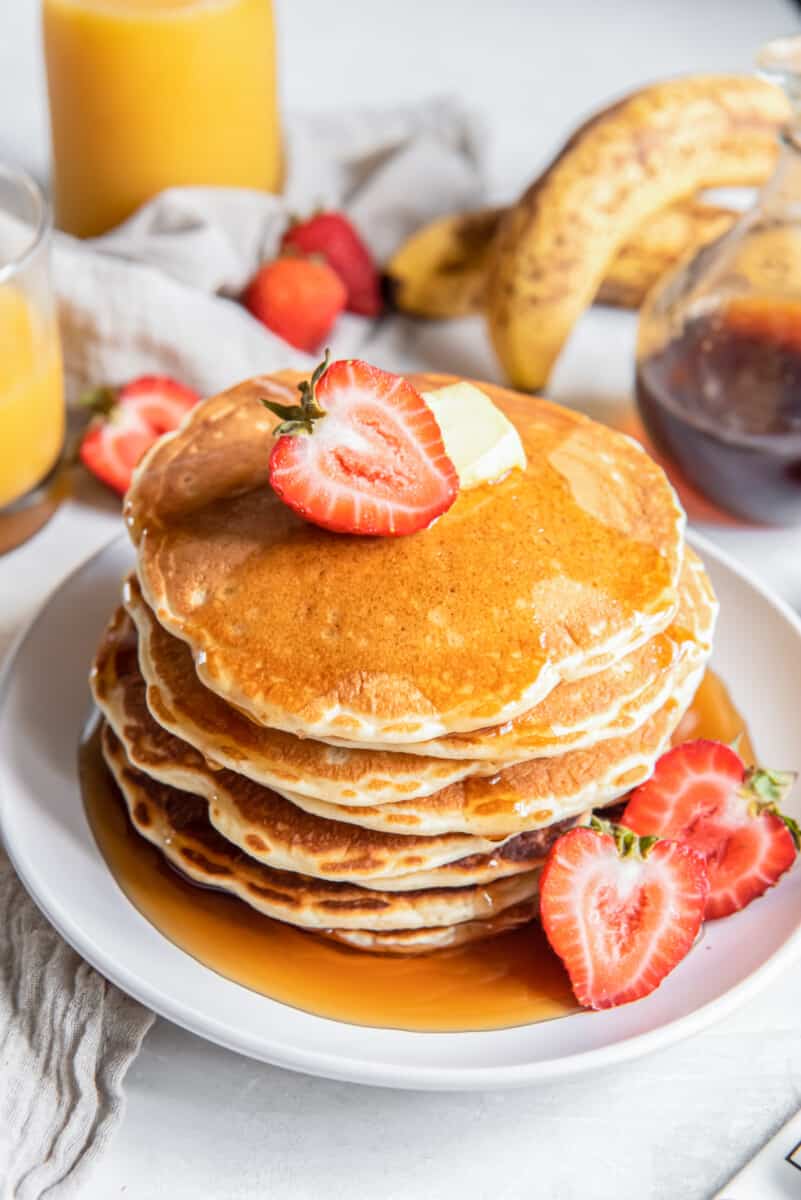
pixel 44 703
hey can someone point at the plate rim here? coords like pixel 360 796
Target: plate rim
pixel 344 1067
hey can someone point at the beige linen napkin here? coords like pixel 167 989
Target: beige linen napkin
pixel 157 295
pixel 67 1038
pixel 158 292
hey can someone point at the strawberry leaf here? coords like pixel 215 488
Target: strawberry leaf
pixel 766 790
pixel 767 786
pixel 100 401
pixel 793 827
pixel 629 844
pixel 300 418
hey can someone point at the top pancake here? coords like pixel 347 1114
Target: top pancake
pixel 551 573
pixel 580 713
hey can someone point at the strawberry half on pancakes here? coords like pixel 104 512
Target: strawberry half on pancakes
pixel 361 453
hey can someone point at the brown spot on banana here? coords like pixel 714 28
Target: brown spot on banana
pixel 441 271
pixel 656 147
pixel 656 246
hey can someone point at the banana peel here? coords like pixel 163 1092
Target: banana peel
pixel 441 271
pixel 657 245
pixel 658 146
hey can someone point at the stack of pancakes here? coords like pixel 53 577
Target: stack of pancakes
pixel 378 739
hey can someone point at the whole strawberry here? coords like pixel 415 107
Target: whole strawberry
pixel 297 298
pixel 331 236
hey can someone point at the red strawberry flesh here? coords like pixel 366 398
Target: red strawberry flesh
pixel 160 401
pixel 373 464
pixel 699 794
pixel 111 448
pixel 144 409
pixel 747 861
pixel 620 924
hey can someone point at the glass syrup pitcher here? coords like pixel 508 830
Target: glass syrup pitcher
pixel 719 343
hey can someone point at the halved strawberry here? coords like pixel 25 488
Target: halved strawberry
pixel 361 453
pixel 701 793
pixel 620 911
pixel 333 237
pixel 128 421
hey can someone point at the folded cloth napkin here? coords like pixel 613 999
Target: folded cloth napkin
pixel 67 1038
pixel 157 294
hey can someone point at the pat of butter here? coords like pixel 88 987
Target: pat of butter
pixel 480 441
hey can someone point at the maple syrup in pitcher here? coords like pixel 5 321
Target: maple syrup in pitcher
pixel 512 979
pixel 723 401
pixel 719 341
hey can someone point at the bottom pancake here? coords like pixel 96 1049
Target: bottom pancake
pixel 177 823
pixel 445 937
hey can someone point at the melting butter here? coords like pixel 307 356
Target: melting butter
pixel 481 442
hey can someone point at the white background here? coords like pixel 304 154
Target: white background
pixel 202 1123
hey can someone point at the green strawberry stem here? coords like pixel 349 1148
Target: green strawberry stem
pixel 736 742
pixel 300 418
pixel 769 787
pixel 793 827
pixel 100 400
pixel 629 844
pixel 766 790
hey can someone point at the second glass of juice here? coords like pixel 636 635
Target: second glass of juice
pixel 32 415
pixel 149 94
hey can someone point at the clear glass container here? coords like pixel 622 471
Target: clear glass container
pixel 32 411
pixel 150 94
pixel 719 344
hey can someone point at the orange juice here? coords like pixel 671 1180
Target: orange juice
pixel 148 94
pixel 31 394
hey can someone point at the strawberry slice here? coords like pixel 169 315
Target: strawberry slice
pixel 362 453
pixel 703 794
pixel 128 421
pixel 621 911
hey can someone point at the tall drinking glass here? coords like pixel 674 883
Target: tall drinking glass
pixel 150 94
pixel 32 414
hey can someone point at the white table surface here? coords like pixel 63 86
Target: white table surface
pixel 202 1122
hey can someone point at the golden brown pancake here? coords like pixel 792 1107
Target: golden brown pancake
pixel 580 713
pixel 272 829
pixel 574 715
pixel 181 704
pixel 423 941
pixel 552 573
pixel 536 793
pixel 178 824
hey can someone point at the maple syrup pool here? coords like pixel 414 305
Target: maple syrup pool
pixel 512 979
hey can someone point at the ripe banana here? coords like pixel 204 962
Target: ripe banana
pixel 441 271
pixel 661 144
pixel 657 245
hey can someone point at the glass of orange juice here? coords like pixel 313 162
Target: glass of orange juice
pixel 32 413
pixel 149 94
